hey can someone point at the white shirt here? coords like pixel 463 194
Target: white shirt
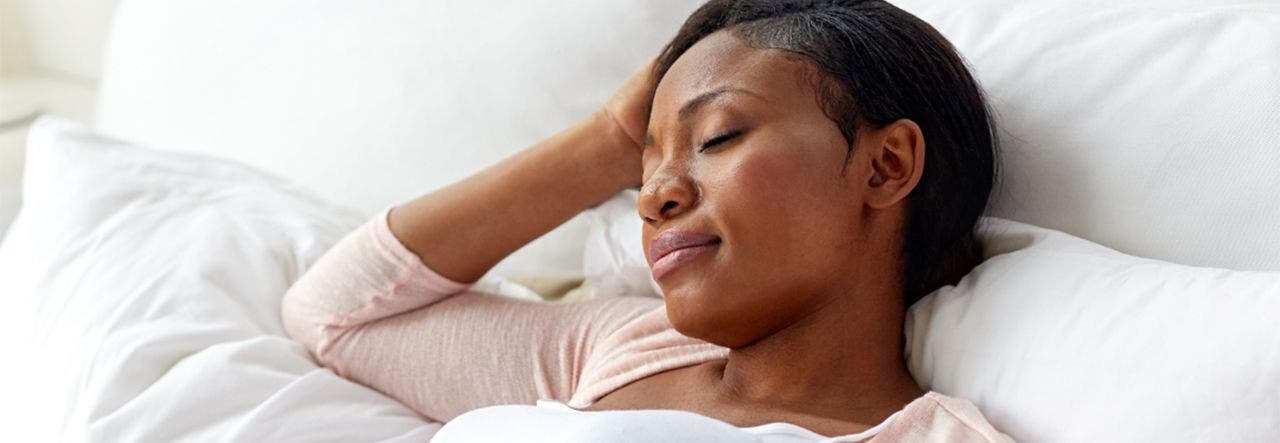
pixel 553 421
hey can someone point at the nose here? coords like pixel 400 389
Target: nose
pixel 668 193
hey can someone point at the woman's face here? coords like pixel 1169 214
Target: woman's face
pixel 741 154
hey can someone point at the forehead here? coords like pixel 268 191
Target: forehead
pixel 723 60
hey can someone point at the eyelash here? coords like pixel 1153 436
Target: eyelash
pixel 724 137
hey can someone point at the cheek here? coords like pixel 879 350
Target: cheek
pixel 754 188
pixel 784 194
pixel 789 217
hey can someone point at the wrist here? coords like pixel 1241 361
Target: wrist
pixel 615 152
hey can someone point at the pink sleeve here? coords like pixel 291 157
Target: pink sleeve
pixel 374 313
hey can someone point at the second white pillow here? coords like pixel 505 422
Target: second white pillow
pixel 1058 339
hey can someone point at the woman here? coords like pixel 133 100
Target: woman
pixel 808 169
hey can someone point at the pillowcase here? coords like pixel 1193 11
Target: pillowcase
pixel 613 262
pixel 141 302
pixel 1147 126
pixel 1058 339
pixel 10 177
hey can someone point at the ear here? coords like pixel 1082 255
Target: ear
pixel 897 163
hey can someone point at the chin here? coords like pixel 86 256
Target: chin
pixel 688 315
pixel 709 321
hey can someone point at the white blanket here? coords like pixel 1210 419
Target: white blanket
pixel 139 296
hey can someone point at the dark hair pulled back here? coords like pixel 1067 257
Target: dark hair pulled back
pixel 880 64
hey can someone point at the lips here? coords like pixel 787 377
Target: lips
pixel 672 248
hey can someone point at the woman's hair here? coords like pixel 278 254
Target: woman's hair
pixel 879 64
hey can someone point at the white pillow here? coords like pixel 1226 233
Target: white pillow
pixel 613 262
pixel 141 302
pixel 1147 126
pixel 1058 339
pixel 10 176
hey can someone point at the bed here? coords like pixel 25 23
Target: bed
pixel 1131 292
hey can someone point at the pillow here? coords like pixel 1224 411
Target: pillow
pixel 613 262
pixel 1058 339
pixel 1147 126
pixel 141 302
pixel 10 177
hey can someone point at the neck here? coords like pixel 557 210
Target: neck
pixel 843 361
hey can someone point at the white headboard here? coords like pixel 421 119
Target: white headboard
pixel 1148 126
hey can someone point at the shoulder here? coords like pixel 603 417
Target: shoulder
pixel 937 417
pixel 644 345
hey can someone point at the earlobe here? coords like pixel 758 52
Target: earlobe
pixel 897 163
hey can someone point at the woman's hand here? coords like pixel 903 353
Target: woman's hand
pixel 629 106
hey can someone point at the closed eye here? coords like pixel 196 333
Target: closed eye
pixel 719 139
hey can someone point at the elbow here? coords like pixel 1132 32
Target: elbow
pixel 299 319
pixel 306 322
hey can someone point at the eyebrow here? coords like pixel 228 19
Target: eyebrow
pixel 691 107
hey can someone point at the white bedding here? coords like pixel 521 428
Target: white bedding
pixel 155 276
pixel 155 279
pixel 142 289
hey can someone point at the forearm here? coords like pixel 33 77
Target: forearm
pixel 462 230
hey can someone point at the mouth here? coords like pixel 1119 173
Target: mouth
pixel 671 249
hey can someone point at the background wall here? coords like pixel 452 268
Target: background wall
pixel 50 63
pixel 12 52
pixel 61 39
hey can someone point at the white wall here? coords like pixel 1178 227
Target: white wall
pixel 12 51
pixel 60 39
pixel 50 62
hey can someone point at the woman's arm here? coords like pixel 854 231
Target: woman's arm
pixel 463 230
pixel 373 313
pixel 491 214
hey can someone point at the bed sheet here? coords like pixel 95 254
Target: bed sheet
pixel 140 301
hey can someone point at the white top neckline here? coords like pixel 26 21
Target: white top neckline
pixel 777 427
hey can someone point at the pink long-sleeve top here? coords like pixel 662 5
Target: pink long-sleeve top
pixel 371 311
